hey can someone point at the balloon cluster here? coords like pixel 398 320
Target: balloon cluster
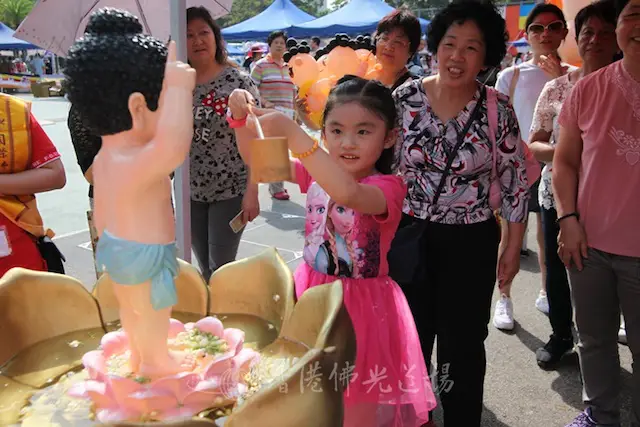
pixel 316 76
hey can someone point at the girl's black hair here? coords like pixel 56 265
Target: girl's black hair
pixel 375 97
pixel 201 12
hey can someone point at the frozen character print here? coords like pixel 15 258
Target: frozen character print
pixel 337 255
pixel 317 200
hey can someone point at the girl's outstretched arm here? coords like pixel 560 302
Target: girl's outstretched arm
pixel 341 186
pixel 240 103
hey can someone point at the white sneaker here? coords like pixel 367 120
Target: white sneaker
pixel 542 303
pixel 622 333
pixel 503 315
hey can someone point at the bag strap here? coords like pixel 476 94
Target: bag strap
pixel 492 117
pixel 452 155
pixel 514 82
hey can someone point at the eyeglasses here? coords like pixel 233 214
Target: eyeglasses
pixel 392 43
pixel 554 27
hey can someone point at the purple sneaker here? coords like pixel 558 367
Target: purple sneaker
pixel 582 420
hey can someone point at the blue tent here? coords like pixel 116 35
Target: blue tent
pixel 356 17
pixel 233 50
pixel 280 15
pixel 8 42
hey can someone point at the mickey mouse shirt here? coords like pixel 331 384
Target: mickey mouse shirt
pixel 217 171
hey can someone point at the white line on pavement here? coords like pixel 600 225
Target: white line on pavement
pixel 73 233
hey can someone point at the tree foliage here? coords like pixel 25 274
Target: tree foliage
pixel 13 12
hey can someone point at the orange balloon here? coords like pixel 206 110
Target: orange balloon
pixel 367 61
pixel 341 61
pixel 374 72
pixel 318 94
pixel 304 68
pixel 568 50
pixel 323 70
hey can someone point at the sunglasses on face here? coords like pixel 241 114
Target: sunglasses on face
pixel 554 27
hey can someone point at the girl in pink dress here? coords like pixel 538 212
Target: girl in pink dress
pixel 390 385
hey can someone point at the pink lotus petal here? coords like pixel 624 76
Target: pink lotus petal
pixel 245 360
pixel 106 416
pixel 219 366
pixel 96 391
pixel 114 343
pixel 96 364
pixel 147 401
pixel 212 325
pixel 176 414
pixel 189 326
pixel 234 338
pixel 122 388
pixel 175 327
pixel 179 385
pixel 201 400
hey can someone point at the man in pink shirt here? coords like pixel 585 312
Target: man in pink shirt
pixel 596 183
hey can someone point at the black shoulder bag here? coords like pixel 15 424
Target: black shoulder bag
pixel 406 257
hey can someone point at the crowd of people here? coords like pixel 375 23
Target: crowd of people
pixel 419 193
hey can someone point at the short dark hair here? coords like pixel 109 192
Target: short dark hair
pixel 276 34
pixel 316 40
pixel 372 95
pixel 620 5
pixel 602 9
pixel 403 20
pixel 201 12
pixel 541 8
pixel 485 15
pixel 110 62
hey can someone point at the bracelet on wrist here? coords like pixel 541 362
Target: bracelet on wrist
pixel 569 215
pixel 307 153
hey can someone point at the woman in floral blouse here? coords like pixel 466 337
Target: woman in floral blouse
pixel 596 37
pixel 219 185
pixel 460 245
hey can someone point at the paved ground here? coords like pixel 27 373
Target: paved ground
pixel 518 393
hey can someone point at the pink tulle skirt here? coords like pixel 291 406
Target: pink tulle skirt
pixel 390 375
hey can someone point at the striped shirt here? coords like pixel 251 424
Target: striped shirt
pixel 274 83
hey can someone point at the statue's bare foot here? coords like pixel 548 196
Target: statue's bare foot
pixel 174 363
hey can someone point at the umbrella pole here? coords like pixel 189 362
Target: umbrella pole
pixel 178 18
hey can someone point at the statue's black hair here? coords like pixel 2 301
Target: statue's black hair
pixel 110 62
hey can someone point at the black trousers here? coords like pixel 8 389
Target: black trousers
pixel 454 305
pixel 557 283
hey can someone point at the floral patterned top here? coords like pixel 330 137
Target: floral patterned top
pixel 545 117
pixel 423 148
pixel 217 171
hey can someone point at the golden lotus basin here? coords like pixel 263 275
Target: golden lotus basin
pixel 49 321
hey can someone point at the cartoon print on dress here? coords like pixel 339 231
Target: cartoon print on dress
pixel 339 241
pixel 317 201
pixel 337 254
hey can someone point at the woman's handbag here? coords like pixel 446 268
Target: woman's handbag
pixel 531 163
pixel 407 263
